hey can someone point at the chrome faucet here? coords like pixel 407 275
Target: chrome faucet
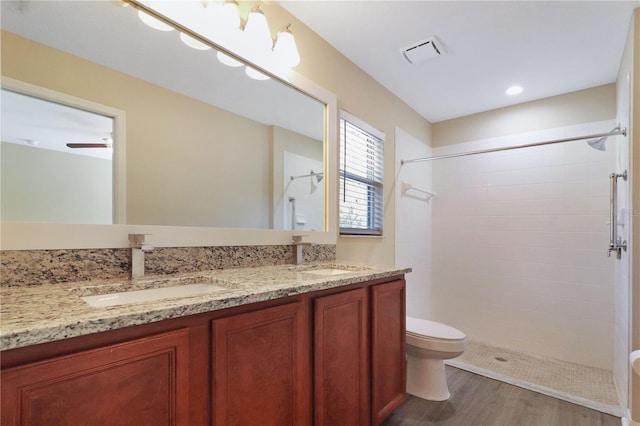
pixel 138 249
pixel 298 255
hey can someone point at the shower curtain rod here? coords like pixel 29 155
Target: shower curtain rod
pixel 485 151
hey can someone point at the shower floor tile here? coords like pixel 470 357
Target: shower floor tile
pixel 587 386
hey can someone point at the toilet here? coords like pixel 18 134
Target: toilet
pixel 429 343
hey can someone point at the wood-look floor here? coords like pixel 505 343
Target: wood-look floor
pixel 480 401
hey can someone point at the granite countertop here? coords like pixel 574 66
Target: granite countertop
pixel 45 313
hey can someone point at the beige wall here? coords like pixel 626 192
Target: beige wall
pixel 584 106
pixel 41 185
pixel 360 95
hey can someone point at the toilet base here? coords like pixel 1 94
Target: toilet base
pixel 427 379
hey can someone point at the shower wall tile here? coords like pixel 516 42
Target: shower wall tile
pixel 519 246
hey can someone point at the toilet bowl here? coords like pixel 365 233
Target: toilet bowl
pixel 429 343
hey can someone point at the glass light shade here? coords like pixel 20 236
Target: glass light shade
pixel 285 51
pixel 192 42
pixel 200 17
pixel 225 30
pixel 228 60
pixel 255 74
pixel 227 22
pixel 257 37
pixel 154 23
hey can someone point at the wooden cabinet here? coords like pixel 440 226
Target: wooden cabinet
pixel 141 382
pixel 341 359
pixel 359 380
pixel 388 354
pixel 333 357
pixel 260 368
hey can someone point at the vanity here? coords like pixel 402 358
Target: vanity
pixel 214 183
pixel 275 345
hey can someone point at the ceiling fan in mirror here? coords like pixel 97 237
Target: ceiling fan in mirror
pixel 107 143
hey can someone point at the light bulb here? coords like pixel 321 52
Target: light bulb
pixel 285 51
pixel 227 22
pixel 255 74
pixel 257 37
pixel 154 23
pixel 225 31
pixel 228 60
pixel 192 42
pixel 200 17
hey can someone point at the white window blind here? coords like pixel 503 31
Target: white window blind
pixel 361 177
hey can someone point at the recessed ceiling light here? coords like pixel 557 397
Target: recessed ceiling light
pixel 514 90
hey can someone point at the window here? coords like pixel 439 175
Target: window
pixel 361 175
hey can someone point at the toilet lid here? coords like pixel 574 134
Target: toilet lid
pixel 422 327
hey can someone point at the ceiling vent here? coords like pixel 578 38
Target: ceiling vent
pixel 423 50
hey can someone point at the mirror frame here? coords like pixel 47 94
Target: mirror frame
pixel 50 236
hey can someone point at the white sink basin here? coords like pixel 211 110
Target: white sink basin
pixel 149 295
pixel 327 272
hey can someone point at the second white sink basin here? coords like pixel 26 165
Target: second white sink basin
pixel 149 295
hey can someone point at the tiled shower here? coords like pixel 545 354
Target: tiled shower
pixel 520 242
pixel 513 247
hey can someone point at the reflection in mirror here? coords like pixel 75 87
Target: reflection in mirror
pixel 206 145
pixel 56 162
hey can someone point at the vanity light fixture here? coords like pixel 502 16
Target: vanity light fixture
pixel 257 44
pixel 257 38
pixel 227 32
pixel 222 24
pixel 228 20
pixel 285 51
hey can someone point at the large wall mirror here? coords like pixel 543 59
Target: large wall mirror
pixel 173 137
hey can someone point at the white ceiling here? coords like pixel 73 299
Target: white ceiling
pixel 547 47
pixel 41 124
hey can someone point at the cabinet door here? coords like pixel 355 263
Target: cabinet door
pixel 141 382
pixel 388 356
pixel 261 368
pixel 341 360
